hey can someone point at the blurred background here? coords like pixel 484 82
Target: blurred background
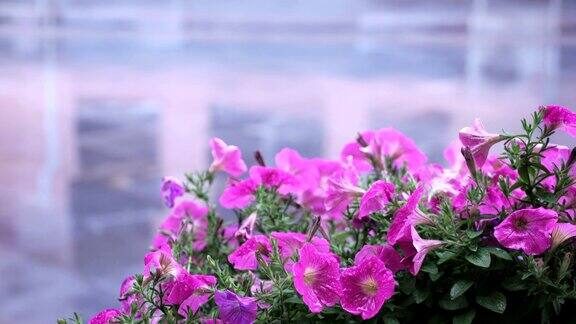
pixel 100 99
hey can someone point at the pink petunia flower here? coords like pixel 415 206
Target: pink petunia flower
pixel 317 278
pixel 385 143
pixel 342 189
pixel 244 257
pixel 561 233
pixel 415 250
pixel 407 216
pixel 479 141
pixel 235 309
pixel 197 290
pixel 529 230
pixel 227 158
pixel 171 189
pixel 246 229
pixel 289 243
pixel 189 216
pixel 273 178
pixel 105 317
pixel 366 287
pixel 127 297
pixel 163 263
pixel 561 118
pixel 384 253
pixel 238 194
pixel 378 195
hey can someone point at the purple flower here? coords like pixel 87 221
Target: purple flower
pixel 244 257
pixel 195 291
pixel 378 195
pixel 104 317
pixel 289 243
pixel 227 158
pixel 273 178
pixel 190 216
pixel 238 194
pixel 561 233
pixel 529 230
pixel 415 250
pixel 384 253
pixel 366 286
pixel 317 278
pixel 407 216
pixel 171 189
pixel 246 229
pixel 560 117
pixel 127 296
pixel 479 141
pixel 235 309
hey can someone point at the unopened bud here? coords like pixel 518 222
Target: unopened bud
pixel 259 158
pixel 469 161
pixel 360 140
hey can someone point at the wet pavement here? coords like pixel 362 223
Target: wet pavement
pixel 99 101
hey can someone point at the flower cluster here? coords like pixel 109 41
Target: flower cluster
pixel 378 233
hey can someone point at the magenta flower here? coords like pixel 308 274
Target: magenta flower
pixel 561 233
pixel 190 216
pixel 529 230
pixel 238 194
pixel 273 178
pixel 342 189
pixel 317 278
pixel 384 253
pixel 235 309
pixel 197 290
pixel 385 143
pixel 378 195
pixel 289 243
pixel 246 229
pixel 366 286
pixel 227 158
pixel 415 251
pixel 244 257
pixel 170 190
pixel 561 118
pixel 162 262
pixel 127 296
pixel 105 317
pixel 479 141
pixel 407 216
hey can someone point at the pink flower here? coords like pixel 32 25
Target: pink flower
pixel 561 233
pixel 479 141
pixel 342 189
pixel 127 296
pixel 529 230
pixel 560 117
pixel 375 199
pixel 244 257
pixel 384 253
pixel 415 251
pixel 235 309
pixel 188 216
pixel 238 194
pixel 162 262
pixel 386 143
pixel 366 286
pixel 407 216
pixel 227 158
pixel 304 171
pixel 289 243
pixel 170 190
pixel 246 229
pixel 273 178
pixel 196 290
pixel 104 317
pixel 317 278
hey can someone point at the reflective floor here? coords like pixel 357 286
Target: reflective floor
pixel 99 101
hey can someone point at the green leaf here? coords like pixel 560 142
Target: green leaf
pixel 453 304
pixel 430 268
pixel 436 276
pixel 389 319
pixel 473 234
pixel 445 256
pixel 407 286
pixel 514 283
pixel 420 295
pixel 294 300
pixel 465 318
pixel 480 258
pixel 460 287
pixel 498 252
pixel 496 302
